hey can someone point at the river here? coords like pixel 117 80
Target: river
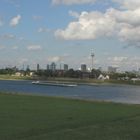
pixel 114 93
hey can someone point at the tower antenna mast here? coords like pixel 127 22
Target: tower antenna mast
pixel 92 56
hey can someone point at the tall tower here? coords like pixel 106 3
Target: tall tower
pixel 92 56
pixel 38 67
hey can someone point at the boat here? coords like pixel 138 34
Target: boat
pixel 55 84
pixel 35 82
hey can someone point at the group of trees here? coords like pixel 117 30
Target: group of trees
pixel 9 71
pixel 13 70
pixel 123 76
pixel 58 73
pixel 71 73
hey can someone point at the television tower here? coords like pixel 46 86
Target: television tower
pixel 92 56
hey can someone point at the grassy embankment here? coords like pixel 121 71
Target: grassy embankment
pixel 9 77
pixel 45 118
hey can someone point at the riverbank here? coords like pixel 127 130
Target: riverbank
pixel 93 81
pixel 35 117
pixel 9 77
pixel 72 80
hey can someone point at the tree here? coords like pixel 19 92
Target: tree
pixel 95 73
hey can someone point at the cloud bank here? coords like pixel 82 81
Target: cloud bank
pixel 128 4
pixel 34 47
pixel 124 24
pixel 124 62
pixel 71 2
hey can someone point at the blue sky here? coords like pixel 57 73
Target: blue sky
pixel 66 31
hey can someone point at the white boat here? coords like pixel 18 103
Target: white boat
pixel 35 82
pixel 55 84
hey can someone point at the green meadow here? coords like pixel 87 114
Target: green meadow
pixel 25 117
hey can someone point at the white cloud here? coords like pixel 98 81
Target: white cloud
pixel 124 24
pixel 89 26
pixel 70 2
pixel 117 59
pixel 124 63
pixel 15 21
pixel 127 25
pixel 133 63
pixel 23 61
pixel 128 4
pixel 74 14
pixel 34 47
pixel 7 36
pixel 41 30
pixel 54 59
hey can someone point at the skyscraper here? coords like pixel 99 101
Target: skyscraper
pixel 48 67
pixel 38 67
pixel 53 66
pixel 65 67
pixel 112 69
pixel 83 67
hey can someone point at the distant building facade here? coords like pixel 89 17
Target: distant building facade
pixel 83 67
pixel 100 68
pixel 139 71
pixel 112 69
pixel 48 67
pixel 53 66
pixel 66 67
pixel 38 67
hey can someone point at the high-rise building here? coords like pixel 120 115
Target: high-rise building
pixel 28 68
pixel 83 67
pixel 48 67
pixel 53 66
pixel 100 68
pixel 38 67
pixel 66 67
pixel 112 69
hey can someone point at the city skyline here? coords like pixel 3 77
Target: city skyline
pixel 66 31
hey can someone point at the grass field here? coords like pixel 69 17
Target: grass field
pixel 45 118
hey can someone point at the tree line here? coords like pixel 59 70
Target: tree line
pixel 71 73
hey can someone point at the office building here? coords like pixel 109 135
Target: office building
pixel 38 67
pixel 48 67
pixel 53 66
pixel 83 67
pixel 112 69
pixel 66 67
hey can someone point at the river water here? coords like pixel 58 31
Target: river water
pixel 115 93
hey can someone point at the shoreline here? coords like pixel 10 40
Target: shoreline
pixel 66 98
pixel 90 82
pixel 77 82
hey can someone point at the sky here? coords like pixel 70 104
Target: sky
pixel 67 31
